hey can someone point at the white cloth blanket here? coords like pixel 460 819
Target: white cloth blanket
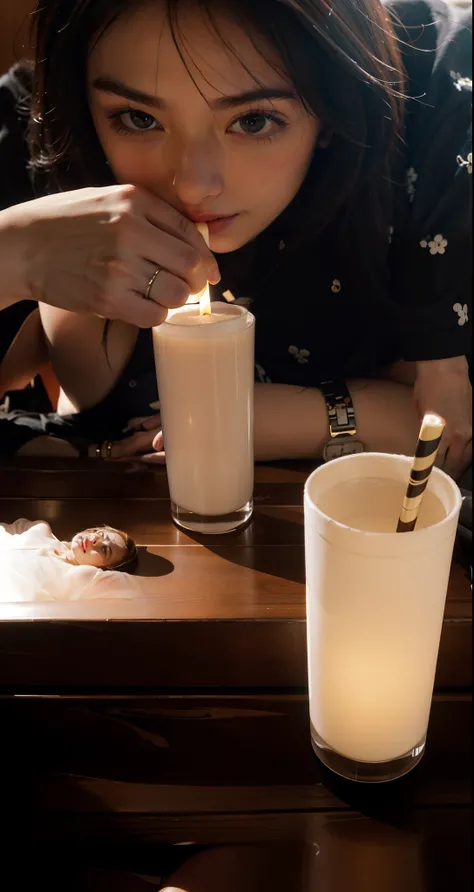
pixel 31 571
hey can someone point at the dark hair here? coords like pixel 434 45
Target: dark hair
pixel 342 58
pixel 129 562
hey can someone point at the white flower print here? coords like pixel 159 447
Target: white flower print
pixel 336 286
pixel 282 246
pixel 412 177
pixel 390 234
pixel 465 162
pixel 463 83
pixel 262 375
pixel 462 312
pixel 460 80
pixel 437 245
pixel 301 356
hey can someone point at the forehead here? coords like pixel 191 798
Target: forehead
pixel 112 536
pixel 140 50
pixel 116 539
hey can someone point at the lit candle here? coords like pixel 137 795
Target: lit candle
pixel 205 370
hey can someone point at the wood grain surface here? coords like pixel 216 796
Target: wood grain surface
pixel 233 605
pixel 124 790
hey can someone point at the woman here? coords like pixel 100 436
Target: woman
pixel 36 566
pixel 328 150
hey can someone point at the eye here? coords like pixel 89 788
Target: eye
pixel 134 121
pixel 257 123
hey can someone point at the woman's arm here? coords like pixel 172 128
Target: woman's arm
pixel 292 422
pixel 13 278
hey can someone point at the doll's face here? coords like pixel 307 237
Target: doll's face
pixel 99 547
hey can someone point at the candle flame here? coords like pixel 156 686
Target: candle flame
pixel 205 296
pixel 205 303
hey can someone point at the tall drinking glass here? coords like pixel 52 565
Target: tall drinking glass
pixel 375 604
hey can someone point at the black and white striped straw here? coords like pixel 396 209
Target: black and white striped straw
pixel 429 438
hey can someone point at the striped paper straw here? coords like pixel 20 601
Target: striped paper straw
pixel 431 431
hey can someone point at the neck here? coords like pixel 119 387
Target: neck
pixel 67 556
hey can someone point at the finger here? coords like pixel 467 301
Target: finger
pixel 441 456
pixel 466 456
pixel 117 302
pixel 148 281
pixel 167 289
pixel 135 445
pixel 161 215
pixel 158 443
pixel 458 457
pixel 147 422
pixel 154 458
pixel 171 253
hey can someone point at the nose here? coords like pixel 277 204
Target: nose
pixel 198 174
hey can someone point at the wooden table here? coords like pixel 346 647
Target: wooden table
pixel 182 715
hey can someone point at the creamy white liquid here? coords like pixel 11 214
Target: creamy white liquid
pixel 374 505
pixel 374 622
pixel 205 369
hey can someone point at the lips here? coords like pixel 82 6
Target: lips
pixel 209 218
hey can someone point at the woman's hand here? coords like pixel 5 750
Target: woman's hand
pixel 96 250
pixel 145 436
pixel 443 386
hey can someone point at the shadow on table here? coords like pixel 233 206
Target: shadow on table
pixel 152 565
pixel 249 547
pixel 287 563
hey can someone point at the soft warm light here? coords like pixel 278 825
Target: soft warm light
pixel 205 297
pixel 205 303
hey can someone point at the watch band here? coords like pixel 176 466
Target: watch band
pixel 342 421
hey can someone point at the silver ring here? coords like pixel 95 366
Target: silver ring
pixel 155 275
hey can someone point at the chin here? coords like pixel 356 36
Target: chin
pixel 78 554
pixel 227 243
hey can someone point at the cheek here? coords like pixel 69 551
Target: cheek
pixel 131 160
pixel 275 173
pixel 118 556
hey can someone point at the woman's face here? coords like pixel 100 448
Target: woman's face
pixel 230 139
pixel 99 547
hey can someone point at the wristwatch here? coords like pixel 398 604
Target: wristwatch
pixel 342 421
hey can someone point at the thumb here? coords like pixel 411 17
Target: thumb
pixel 158 442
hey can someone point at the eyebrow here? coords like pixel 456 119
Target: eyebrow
pixel 117 88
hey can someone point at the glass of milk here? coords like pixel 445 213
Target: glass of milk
pixel 205 371
pixel 375 602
